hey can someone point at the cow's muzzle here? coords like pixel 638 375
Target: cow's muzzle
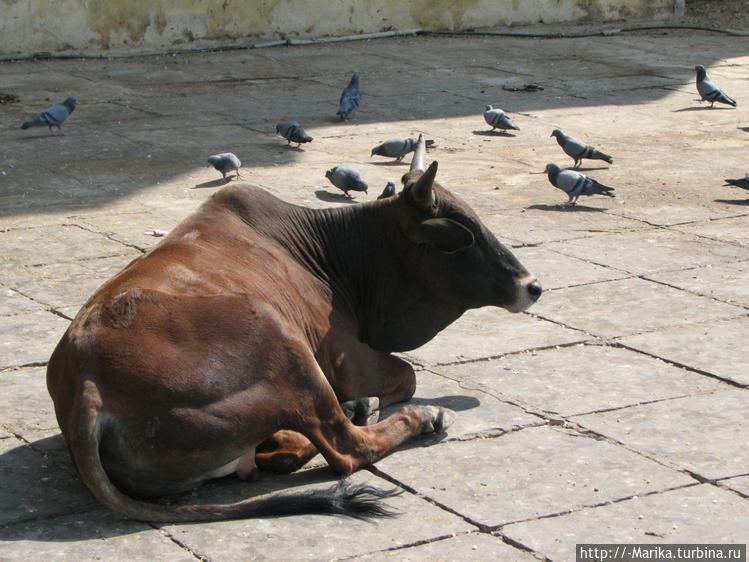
pixel 529 291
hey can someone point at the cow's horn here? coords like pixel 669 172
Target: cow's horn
pixel 418 162
pixel 422 191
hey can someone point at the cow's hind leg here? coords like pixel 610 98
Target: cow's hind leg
pixel 285 451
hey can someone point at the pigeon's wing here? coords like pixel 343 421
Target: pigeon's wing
pixel 574 147
pixel 571 182
pixel 350 100
pixel 56 114
pixel 707 90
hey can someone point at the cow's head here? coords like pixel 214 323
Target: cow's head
pixel 456 256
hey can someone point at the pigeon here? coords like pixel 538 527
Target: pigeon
pixel 346 179
pixel 350 99
pixel 224 163
pixel 397 148
pixel 293 132
pixel 578 150
pixel 709 91
pixel 53 116
pixel 575 184
pixel 389 191
pixel 498 119
pixel 743 183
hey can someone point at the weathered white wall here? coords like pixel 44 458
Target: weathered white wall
pixel 96 26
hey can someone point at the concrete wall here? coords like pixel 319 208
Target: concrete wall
pixel 101 26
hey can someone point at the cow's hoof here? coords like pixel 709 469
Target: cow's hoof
pixel 439 419
pixel 362 411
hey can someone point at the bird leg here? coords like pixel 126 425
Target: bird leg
pixel 238 176
pixel 347 194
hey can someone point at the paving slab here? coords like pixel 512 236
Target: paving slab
pixel 547 223
pixel 650 251
pixel 13 302
pixel 703 347
pixel 701 514
pixel 731 229
pixel 739 484
pixel 55 244
pixel 317 537
pixel 728 282
pixel 630 307
pixel 527 474
pixel 59 285
pixel 35 487
pixel 703 434
pixel 568 381
pixel 479 412
pixel 489 332
pixel 97 534
pixel 470 547
pixel 41 327
pixel 557 271
pixel 30 407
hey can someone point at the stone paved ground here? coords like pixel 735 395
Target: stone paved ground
pixel 614 410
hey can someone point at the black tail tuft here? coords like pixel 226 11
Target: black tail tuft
pixel 352 500
pixel 26 125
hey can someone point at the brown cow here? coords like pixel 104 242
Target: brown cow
pixel 233 343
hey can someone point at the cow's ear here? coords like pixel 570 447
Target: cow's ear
pixel 444 234
pixel 422 191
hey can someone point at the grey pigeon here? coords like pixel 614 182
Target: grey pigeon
pixel 346 179
pixel 293 132
pixel 397 148
pixel 225 163
pixel 578 150
pixel 53 116
pixel 709 91
pixel 743 183
pixel 350 99
pixel 498 119
pixel 389 191
pixel 575 184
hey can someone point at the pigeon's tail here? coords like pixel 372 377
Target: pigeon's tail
pixel 743 183
pixel 597 155
pixel 27 124
pixel 600 188
pixel 722 98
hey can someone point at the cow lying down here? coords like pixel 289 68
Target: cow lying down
pixel 240 341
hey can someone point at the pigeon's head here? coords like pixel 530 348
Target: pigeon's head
pixel 557 133
pixel 70 102
pixel 552 169
pixel 489 108
pixel 701 73
pixel 354 80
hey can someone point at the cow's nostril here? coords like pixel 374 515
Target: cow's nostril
pixel 534 289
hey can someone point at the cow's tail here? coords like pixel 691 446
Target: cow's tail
pixel 345 498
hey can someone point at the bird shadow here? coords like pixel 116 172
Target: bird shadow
pixel 292 147
pixel 390 163
pixel 567 208
pixel 494 133
pixel 582 169
pixel 699 108
pixel 213 183
pixel 328 197
pixel 739 202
